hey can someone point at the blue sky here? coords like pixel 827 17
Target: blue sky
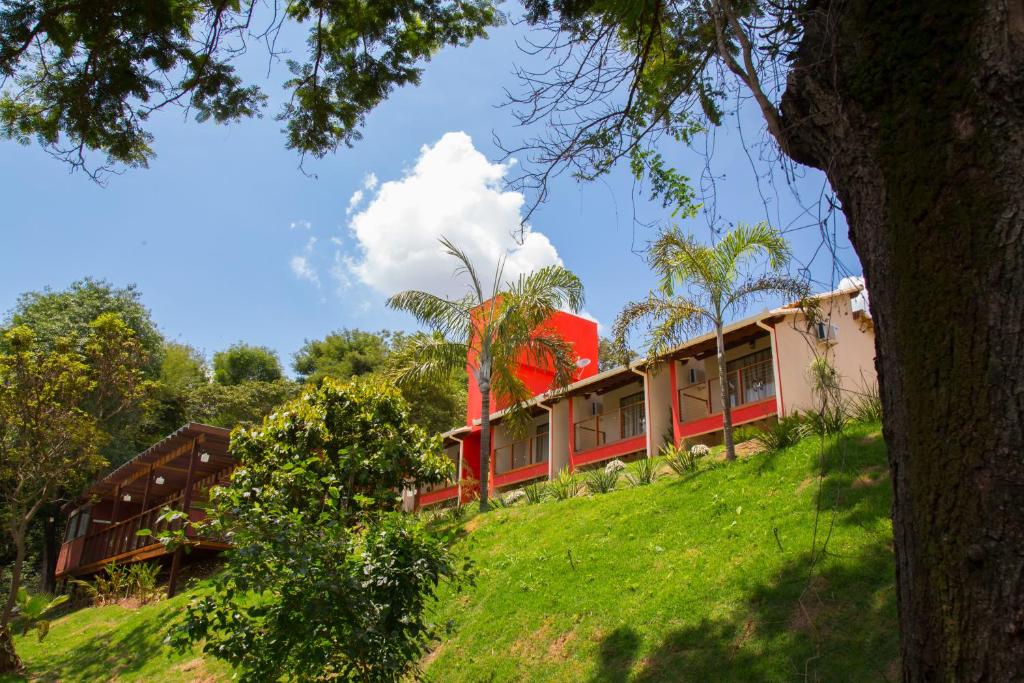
pixel 228 240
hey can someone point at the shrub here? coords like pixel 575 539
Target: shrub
pixel 602 480
pixel 745 433
pixel 136 581
pixel 566 485
pixel 645 472
pixel 699 450
pixel 345 580
pixel 782 434
pixel 867 407
pixel 832 420
pixel 679 460
pixel 535 492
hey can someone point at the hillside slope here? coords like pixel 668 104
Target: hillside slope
pixel 705 577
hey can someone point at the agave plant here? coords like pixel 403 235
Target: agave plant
pixel 782 434
pixel 566 485
pixel 535 493
pixel 679 459
pixel 647 471
pixel 602 480
pixel 30 610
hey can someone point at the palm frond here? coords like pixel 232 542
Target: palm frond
pixel 427 358
pixel 510 390
pixel 546 290
pixel 679 258
pixel 746 241
pixel 450 318
pixel 769 285
pixel 669 321
pixel 465 266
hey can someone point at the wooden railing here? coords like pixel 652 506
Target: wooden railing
pixel 519 454
pixel 606 428
pixel 753 383
pixel 122 537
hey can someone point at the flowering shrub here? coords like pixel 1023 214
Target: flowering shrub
pixel 699 450
pixel 614 466
pixel 514 496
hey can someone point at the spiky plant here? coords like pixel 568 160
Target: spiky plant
pixel 701 287
pixel 535 493
pixel 565 486
pixel 602 480
pixel 646 471
pixel 491 329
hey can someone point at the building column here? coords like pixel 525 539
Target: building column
pixel 186 503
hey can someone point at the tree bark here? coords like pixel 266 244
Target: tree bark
pixel 19 561
pixel 723 381
pixel 9 660
pixel 915 110
pixel 50 549
pixel 485 440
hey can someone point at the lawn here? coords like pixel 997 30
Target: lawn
pixel 720 575
pixel 759 570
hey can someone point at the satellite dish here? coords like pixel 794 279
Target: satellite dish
pixel 583 362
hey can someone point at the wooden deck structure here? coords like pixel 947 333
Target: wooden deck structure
pixel 176 472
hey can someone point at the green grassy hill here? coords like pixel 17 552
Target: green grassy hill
pixel 777 567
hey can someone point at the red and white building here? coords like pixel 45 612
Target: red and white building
pixel 633 411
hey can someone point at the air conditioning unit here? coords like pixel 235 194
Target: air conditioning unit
pixel 826 332
pixel 696 375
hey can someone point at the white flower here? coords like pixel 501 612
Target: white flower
pixel 699 450
pixel 614 466
pixel 513 496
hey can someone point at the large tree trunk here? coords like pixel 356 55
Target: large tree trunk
pixel 915 110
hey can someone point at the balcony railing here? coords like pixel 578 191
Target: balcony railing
pixel 519 454
pixel 751 384
pixel 599 430
pixel 122 537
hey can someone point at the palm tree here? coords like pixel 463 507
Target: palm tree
pixel 493 330
pixel 701 286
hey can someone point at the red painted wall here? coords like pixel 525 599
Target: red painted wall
pixel 580 332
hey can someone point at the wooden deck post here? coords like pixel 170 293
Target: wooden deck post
pixel 186 503
pixel 149 486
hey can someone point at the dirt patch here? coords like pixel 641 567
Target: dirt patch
pixel 870 438
pixel 471 526
pixel 192 665
pixel 747 632
pixel 802 486
pixel 811 613
pixel 528 645
pixel 557 649
pixel 429 658
pixel 872 476
pixel 748 448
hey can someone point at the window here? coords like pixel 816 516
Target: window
pixel 632 416
pixel 751 378
pixel 540 446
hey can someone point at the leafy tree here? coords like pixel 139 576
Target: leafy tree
pixel 343 354
pixel 704 286
pixel 49 438
pixel 134 59
pixel 613 353
pixel 492 329
pixel 326 579
pixel 237 404
pixel 183 368
pixel 435 405
pixel 64 318
pixel 246 363
pixel 923 148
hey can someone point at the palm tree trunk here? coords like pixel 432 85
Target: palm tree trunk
pixel 485 438
pixel 730 448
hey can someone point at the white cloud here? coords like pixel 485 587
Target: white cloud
pixel 369 185
pixel 354 201
pixel 301 266
pixel 300 224
pixel 455 192
pixel 370 181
